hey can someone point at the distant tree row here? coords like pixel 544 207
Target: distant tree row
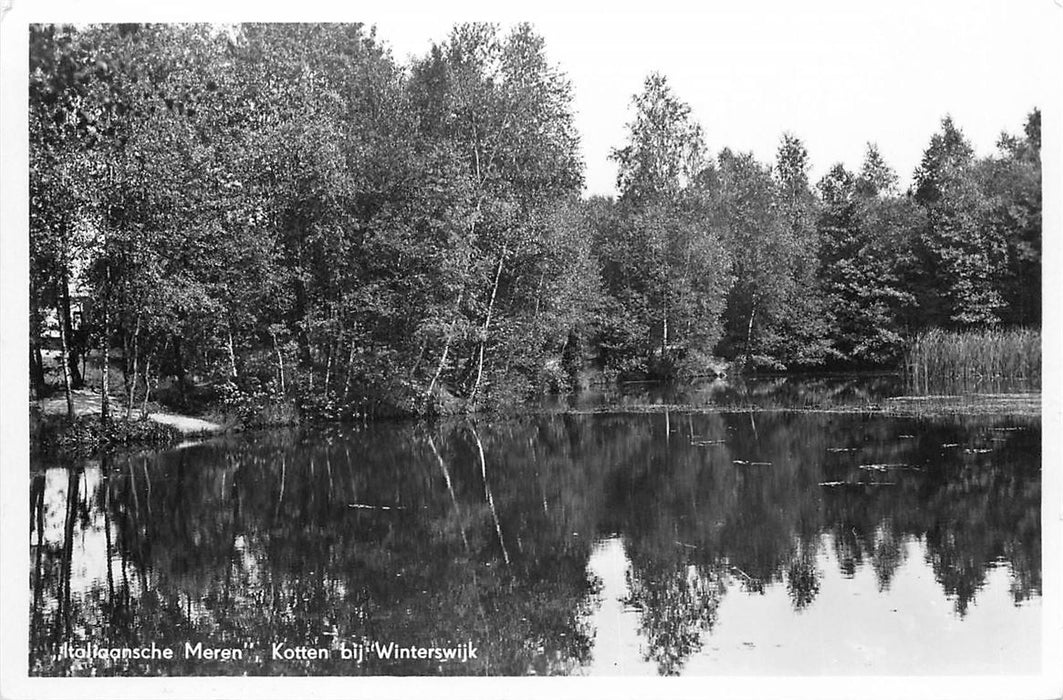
pixel 284 211
pixel 749 261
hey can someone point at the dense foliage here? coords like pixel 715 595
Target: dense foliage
pixel 288 214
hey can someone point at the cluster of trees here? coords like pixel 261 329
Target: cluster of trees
pixel 287 211
pixel 749 261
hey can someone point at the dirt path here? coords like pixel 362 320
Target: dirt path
pixel 88 402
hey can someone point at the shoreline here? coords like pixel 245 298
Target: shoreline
pixel 51 434
pixel 1026 404
pixel 89 403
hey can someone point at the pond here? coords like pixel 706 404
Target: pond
pixel 708 530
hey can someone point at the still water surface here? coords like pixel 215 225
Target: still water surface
pixel 670 541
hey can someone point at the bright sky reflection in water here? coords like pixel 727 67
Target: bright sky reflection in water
pixel 855 629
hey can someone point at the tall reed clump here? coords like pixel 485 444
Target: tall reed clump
pixel 973 358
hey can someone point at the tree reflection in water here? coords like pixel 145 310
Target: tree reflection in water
pixel 438 534
pixel 677 605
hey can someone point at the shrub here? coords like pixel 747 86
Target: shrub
pixel 256 404
pixel 88 434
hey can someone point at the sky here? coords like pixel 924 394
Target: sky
pixel 835 74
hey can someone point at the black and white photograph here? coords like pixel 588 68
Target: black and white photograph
pixel 684 350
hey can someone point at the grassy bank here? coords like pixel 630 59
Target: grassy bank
pixel 86 434
pixel 975 358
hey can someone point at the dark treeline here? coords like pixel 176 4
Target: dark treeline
pixel 287 213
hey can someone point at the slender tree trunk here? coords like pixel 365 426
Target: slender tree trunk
pixel 487 326
pixel 313 359
pixel 179 370
pixel 36 358
pixel 73 482
pixel 127 353
pixel 147 385
pixel 446 346
pixel 490 498
pixel 105 362
pixel 328 371
pixel 36 368
pixel 105 468
pixel 280 496
pixel 65 321
pixel 539 292
pixel 37 499
pixel 133 489
pixel 439 367
pixel 65 357
pixel 132 388
pixel 464 283
pixel 147 483
pixel 232 351
pixel 749 330
pixel 347 379
pixel 420 356
pixel 450 490
pixel 234 494
pixel 73 354
pixel 125 574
